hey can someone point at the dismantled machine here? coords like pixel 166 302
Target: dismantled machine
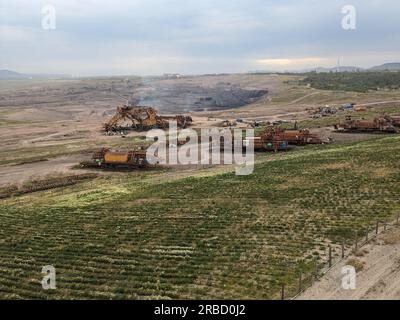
pixel 277 139
pixel 394 120
pixel 375 125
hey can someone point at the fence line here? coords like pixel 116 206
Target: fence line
pixel 316 274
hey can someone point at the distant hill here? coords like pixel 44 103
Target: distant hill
pixel 393 66
pixel 333 69
pixel 12 75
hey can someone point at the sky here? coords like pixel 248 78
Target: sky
pixel 148 37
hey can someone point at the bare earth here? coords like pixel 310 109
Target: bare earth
pixel 18 174
pixel 379 278
pixel 47 125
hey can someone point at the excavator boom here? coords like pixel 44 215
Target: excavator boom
pixel 143 118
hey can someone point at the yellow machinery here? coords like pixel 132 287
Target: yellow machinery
pixel 107 158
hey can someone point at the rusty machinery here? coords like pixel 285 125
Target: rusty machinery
pixel 375 125
pixel 271 139
pixel 107 158
pixel 277 139
pixel 143 118
pixel 300 137
pixel 394 120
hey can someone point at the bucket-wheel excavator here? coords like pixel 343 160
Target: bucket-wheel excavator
pixel 143 118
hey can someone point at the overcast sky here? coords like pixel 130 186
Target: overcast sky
pixel 105 37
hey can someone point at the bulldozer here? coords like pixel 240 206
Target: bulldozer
pixel 143 119
pixel 376 125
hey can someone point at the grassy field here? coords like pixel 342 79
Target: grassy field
pixel 291 88
pixel 142 235
pixel 353 81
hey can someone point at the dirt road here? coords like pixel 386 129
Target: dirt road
pixel 18 174
pixel 377 103
pixel 304 97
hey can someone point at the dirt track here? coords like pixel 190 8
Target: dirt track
pixel 377 103
pixel 17 174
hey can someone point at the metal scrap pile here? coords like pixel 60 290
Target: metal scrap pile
pixel 323 111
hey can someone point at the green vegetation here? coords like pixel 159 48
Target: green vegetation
pixel 295 91
pixel 141 235
pixel 353 81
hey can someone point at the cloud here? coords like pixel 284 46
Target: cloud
pixel 292 63
pixel 15 33
pixel 157 36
